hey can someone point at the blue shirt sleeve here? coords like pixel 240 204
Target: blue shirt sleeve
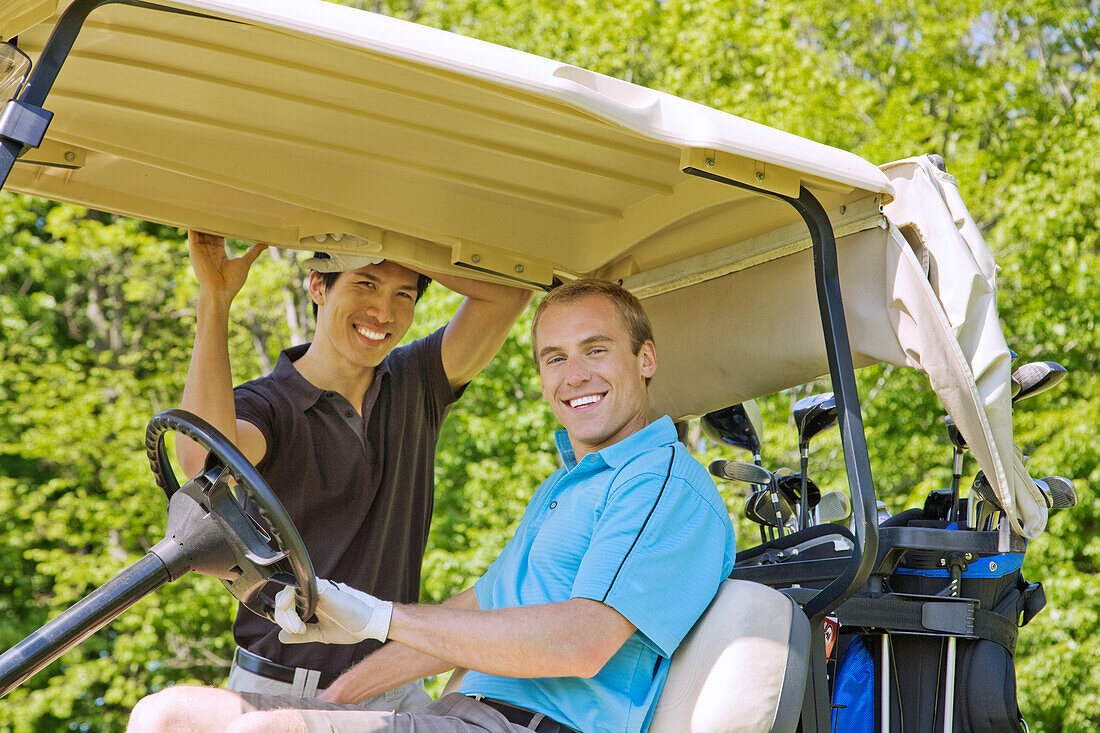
pixel 659 551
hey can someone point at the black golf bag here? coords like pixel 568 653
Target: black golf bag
pixel 916 614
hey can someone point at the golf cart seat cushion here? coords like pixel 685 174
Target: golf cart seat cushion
pixel 741 669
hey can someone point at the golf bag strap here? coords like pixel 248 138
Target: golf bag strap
pixel 996 628
pixel 962 619
pixel 1032 600
pixel 914 615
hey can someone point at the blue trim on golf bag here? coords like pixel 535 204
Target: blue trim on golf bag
pixel 993 566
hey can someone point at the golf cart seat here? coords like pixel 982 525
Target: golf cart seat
pixel 741 669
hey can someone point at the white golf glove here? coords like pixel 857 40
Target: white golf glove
pixel 344 616
pixel 340 263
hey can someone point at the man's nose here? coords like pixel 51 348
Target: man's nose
pixel 380 307
pixel 578 372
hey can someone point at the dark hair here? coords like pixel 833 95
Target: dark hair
pixel 629 308
pixel 328 279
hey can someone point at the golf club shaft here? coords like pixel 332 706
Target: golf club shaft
pixel 80 621
pixel 802 503
pixel 956 476
pixel 949 691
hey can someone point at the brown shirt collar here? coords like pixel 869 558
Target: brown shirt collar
pixel 303 393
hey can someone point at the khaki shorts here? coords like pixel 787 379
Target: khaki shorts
pixel 452 713
pixel 406 699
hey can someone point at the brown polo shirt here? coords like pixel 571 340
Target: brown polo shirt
pixel 358 488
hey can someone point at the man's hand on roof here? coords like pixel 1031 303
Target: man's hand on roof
pixel 219 274
pixel 344 616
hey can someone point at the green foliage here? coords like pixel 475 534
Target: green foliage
pixel 97 318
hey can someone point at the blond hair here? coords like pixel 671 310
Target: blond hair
pixel 629 308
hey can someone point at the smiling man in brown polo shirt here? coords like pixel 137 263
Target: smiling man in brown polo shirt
pixel 344 430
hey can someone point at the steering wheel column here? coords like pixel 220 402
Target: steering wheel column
pixel 209 532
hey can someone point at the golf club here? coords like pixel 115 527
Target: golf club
pixel 791 487
pixel 959 443
pixel 738 425
pixel 988 504
pixel 1058 492
pixel 1037 377
pixel 750 473
pixel 835 506
pixel 741 426
pixel 757 509
pixel 811 415
pixel 1029 380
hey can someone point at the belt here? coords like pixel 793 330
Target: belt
pixel 256 664
pixel 527 718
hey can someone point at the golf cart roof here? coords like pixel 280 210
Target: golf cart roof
pixel 285 121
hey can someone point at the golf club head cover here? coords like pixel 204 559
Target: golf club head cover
pixel 344 616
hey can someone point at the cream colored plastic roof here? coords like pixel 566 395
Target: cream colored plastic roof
pixel 301 118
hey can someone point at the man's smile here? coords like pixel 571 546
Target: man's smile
pixel 370 333
pixel 579 402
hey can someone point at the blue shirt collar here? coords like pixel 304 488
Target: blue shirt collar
pixel 661 431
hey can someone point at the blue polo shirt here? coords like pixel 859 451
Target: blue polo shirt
pixel 638 526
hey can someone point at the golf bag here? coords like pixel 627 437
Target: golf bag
pixel 917 672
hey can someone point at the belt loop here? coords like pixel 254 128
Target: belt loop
pixel 305 682
pixel 535 720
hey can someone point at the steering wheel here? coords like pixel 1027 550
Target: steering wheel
pixel 224 540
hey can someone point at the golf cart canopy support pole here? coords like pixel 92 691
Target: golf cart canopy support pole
pixel 842 373
pixel 44 74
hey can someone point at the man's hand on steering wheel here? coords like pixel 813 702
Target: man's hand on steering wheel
pixel 344 616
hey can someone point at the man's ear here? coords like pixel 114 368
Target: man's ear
pixel 316 287
pixel 648 353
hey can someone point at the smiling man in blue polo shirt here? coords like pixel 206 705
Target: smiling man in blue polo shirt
pixel 572 627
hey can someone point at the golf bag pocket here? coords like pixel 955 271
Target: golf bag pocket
pixel 854 689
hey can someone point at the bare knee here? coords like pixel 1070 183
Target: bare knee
pixel 268 721
pixel 182 709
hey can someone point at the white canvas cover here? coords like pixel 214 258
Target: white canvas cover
pixel 288 121
pixel 956 287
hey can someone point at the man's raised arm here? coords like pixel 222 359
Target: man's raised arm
pixel 479 327
pixel 208 392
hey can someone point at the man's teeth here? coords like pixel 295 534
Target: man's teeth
pixel 368 333
pixel 581 401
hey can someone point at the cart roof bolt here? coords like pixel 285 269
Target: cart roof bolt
pixel 475 258
pixel 710 162
pixel 760 175
pixel 519 268
pixel 70 156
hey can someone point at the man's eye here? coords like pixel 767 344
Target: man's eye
pixel 597 351
pixel 555 360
